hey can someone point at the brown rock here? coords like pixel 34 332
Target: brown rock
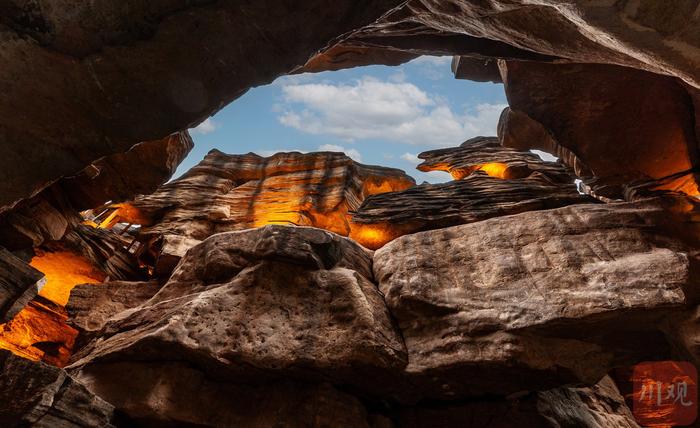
pixel 648 135
pixel 94 80
pixel 486 154
pixel 121 176
pixel 91 305
pixel 19 283
pixel 172 393
pixel 539 299
pixel 517 182
pixel 234 192
pixel 38 395
pixel 260 304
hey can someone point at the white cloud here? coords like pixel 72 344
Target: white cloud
pixel 351 153
pixel 206 127
pixel 411 158
pixel 374 109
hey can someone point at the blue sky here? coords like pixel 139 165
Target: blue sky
pixel 378 115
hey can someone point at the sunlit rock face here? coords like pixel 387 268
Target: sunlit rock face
pixel 490 181
pixel 38 395
pixel 234 192
pixel 540 298
pixel 258 304
pixel 622 125
pixel 39 330
pixel 84 256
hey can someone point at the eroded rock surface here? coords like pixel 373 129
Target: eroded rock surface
pixel 91 305
pixel 528 301
pixel 259 304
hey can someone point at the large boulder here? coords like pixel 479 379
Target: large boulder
pixel 254 306
pixel 538 299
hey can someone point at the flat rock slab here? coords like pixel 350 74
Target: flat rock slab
pixel 527 301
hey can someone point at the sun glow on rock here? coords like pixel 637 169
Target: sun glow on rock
pixel 64 270
pixel 39 331
pixel 495 169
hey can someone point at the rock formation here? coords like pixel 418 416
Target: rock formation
pixel 246 293
pixel 651 134
pixel 538 286
pixel 234 192
pixel 490 181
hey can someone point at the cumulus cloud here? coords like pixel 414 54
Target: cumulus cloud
pixel 411 158
pixel 206 127
pixel 373 109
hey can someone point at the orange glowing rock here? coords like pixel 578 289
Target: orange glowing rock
pixel 39 331
pixel 486 154
pixel 495 169
pixel 234 192
pixel 64 270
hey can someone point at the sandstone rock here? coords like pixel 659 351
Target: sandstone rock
pixel 91 305
pixel 19 283
pixel 105 250
pixel 260 304
pixel 115 76
pixel 95 79
pixel 539 299
pixel 486 154
pixel 47 216
pixel 38 395
pixel 517 182
pixel 172 249
pixel 383 218
pixel 121 176
pixel 651 134
pixel 234 192
pixel 625 33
